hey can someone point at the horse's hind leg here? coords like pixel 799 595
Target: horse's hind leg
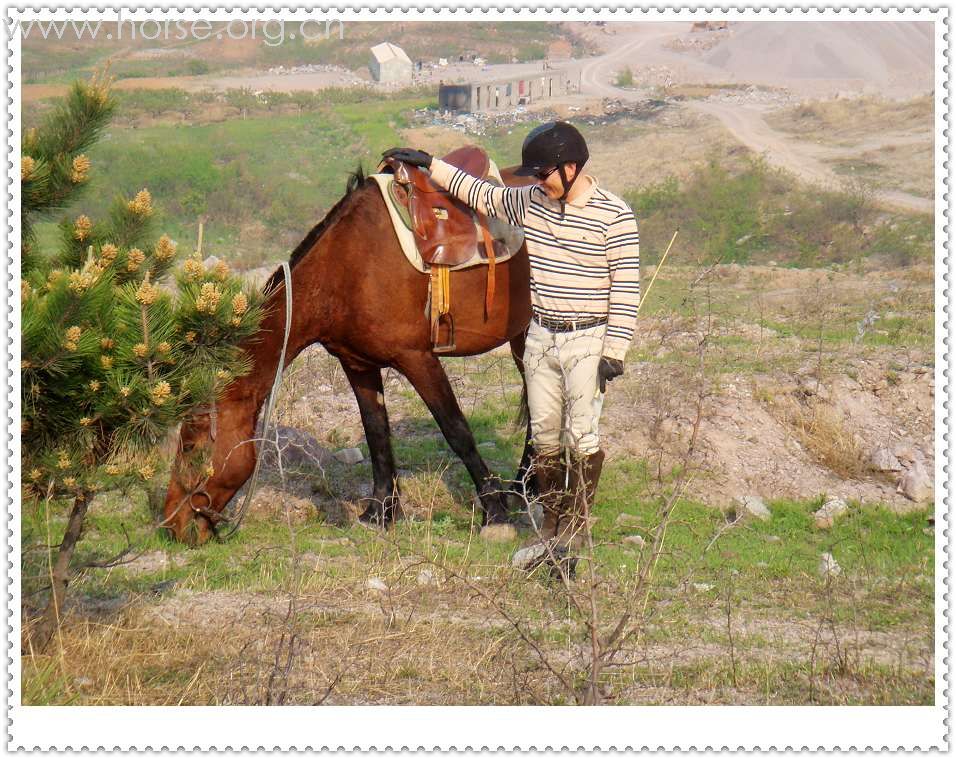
pixel 367 386
pixel 426 374
pixel 524 481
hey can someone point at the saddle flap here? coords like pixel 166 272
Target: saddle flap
pixel 446 229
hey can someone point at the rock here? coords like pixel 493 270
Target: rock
pixel 350 456
pixel 636 540
pixel 376 584
pixel 529 557
pixel 883 460
pixel 426 578
pixel 905 453
pixel 702 587
pixel 915 483
pixel 828 566
pixel 628 521
pixel 825 515
pixel 754 506
pixel 299 449
pixel 773 538
pixel 498 533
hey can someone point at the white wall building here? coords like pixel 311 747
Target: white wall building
pixel 390 64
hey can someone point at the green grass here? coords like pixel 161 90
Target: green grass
pixel 281 172
pixel 758 214
pixel 766 572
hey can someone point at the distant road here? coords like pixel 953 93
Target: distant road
pixel 748 127
pixel 745 124
pixel 596 72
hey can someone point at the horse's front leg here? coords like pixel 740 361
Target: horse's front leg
pixel 427 376
pixel 370 394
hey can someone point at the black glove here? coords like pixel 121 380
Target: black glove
pixel 608 369
pixel 409 155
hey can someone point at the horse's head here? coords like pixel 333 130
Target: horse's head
pixel 189 508
pixel 204 476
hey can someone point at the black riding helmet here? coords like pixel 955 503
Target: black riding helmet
pixel 553 145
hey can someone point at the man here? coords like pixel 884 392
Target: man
pixel 585 289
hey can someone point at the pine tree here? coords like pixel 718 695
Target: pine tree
pixel 112 356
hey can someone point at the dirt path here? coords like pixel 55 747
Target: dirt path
pixel 801 159
pixel 596 72
pixel 745 124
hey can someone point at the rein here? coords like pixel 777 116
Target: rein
pixel 236 519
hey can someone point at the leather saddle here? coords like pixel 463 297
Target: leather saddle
pixel 448 233
pixel 445 229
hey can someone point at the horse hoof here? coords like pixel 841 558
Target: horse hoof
pixel 498 533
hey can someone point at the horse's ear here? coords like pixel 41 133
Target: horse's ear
pixel 356 179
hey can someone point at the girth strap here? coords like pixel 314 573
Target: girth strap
pixel 490 253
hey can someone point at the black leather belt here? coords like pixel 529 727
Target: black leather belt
pixel 564 325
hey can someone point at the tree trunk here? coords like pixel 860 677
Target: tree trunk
pixel 47 626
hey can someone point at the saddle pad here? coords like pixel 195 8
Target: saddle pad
pixel 406 237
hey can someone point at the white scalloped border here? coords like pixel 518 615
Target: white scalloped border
pixel 381 732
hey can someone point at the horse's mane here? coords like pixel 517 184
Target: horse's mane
pixel 356 180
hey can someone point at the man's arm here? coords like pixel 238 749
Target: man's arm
pixel 508 203
pixel 624 259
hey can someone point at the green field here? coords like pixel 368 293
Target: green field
pixel 730 612
pixel 304 606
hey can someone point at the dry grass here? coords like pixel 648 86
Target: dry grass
pixel 821 430
pixel 838 122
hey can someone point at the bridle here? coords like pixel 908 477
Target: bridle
pixel 217 518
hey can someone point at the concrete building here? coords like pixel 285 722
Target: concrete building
pixel 390 64
pixel 472 97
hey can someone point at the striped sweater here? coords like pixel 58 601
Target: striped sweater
pixel 584 263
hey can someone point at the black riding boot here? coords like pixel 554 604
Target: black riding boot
pixel 583 480
pixel 549 475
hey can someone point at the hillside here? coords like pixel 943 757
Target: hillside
pixel 894 56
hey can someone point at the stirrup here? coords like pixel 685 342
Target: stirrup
pixel 448 347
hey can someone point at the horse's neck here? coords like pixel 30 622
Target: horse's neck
pixel 310 303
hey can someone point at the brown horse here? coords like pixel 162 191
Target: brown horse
pixel 354 291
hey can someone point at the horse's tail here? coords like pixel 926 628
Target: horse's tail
pixel 523 416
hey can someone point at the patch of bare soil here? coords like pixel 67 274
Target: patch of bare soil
pixel 888 142
pixel 809 428
pixel 674 144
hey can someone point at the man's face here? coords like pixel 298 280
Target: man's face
pixel 552 183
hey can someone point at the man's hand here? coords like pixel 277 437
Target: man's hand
pixel 608 369
pixel 409 155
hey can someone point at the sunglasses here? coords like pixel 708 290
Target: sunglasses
pixel 545 173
